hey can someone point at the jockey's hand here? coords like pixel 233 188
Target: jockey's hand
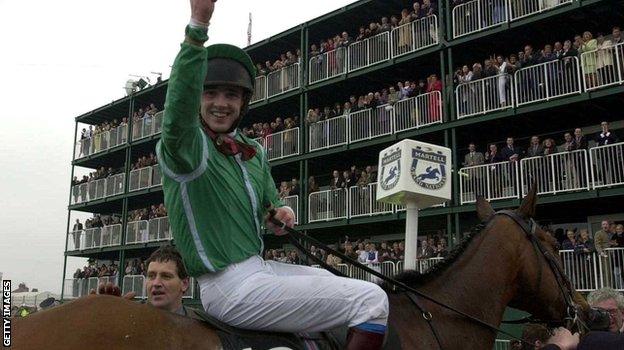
pixel 201 10
pixel 283 214
pixel 110 289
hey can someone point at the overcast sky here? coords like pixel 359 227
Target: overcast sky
pixel 59 59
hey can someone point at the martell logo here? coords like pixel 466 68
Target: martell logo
pixel 428 168
pixel 390 169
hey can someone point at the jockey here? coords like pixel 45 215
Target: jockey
pixel 218 185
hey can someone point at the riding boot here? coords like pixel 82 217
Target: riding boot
pixel 358 339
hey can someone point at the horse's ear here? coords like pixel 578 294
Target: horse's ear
pixel 527 208
pixel 484 209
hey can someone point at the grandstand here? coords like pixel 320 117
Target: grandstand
pixel 545 97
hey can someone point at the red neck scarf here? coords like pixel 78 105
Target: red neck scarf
pixel 228 145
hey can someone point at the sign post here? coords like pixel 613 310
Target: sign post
pixel 416 175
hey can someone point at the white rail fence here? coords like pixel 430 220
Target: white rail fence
pixel 328 133
pixel 327 65
pixel 144 231
pixel 411 113
pixel 283 80
pixel 548 80
pixel 98 189
pixel 327 205
pixel 556 173
pixel 101 142
pixel 363 201
pixel 147 126
pixel 144 178
pixel 591 271
pixel 260 89
pixel 484 95
pixel 607 165
pixel 96 237
pixel 414 36
pixel 502 344
pixel 282 144
pixel 368 52
pixel 477 15
pixel 137 284
pixel 493 181
pixel 603 67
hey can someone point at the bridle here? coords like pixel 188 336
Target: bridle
pixel 528 226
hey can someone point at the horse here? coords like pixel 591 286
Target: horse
pixel 494 267
pixel 433 174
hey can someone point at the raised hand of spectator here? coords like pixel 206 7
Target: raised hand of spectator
pixel 110 289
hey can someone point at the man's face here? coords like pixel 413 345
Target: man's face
pixel 534 140
pixel 604 126
pixel 605 225
pixel 615 315
pixel 528 50
pixel 164 286
pixel 567 137
pixel 616 32
pixel 558 46
pixel 578 132
pixel 509 142
pixel 471 147
pixel 221 107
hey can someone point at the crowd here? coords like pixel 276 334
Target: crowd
pixel 143 123
pixel 145 161
pixel 80 193
pixel 152 212
pixel 90 143
pixel 354 176
pixel 386 24
pixel 135 267
pixel 93 270
pixel 599 68
pixel 285 59
pixel 289 188
pixel 258 130
pixel 390 95
pixel 571 141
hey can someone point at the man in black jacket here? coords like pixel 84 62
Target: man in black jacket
pixel 562 339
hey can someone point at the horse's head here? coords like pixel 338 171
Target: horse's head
pixel 540 286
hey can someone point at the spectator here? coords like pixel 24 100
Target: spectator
pixel 493 155
pixel 580 141
pixel 373 255
pixel 294 187
pixel 364 179
pixel 584 245
pixel 337 181
pixel 605 137
pixel 549 146
pixel 362 253
pixel 570 242
pixel 473 157
pixel 425 251
pixel 604 60
pixel 589 44
pixel 511 152
pixel 535 148
pixel 611 301
pixel 312 186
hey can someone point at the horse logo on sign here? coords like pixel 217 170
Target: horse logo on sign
pixel 390 169
pixel 428 168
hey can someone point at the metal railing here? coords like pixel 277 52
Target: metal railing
pixel 261 141
pixel 147 126
pixel 414 36
pixel 136 284
pixel 363 201
pixel 590 270
pixel 96 237
pixel 416 112
pixel 493 181
pixel 293 203
pixel 607 165
pixel 555 173
pixel 387 268
pixel 523 8
pixel 548 80
pixel 283 80
pixel 477 15
pixel 368 52
pixel 101 142
pixel 328 133
pixel 98 189
pixel 144 231
pixel 260 92
pixel 502 344
pixel 79 287
pixel 370 123
pixel 327 205
pixel 484 96
pixel 282 144
pixel 327 65
pixel 603 67
pixel 146 177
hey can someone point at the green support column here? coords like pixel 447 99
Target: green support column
pixel 122 269
pixel 303 77
pixel 458 232
pixel 448 18
pixel 450 230
pixel 302 203
pixel 449 88
pixel 456 164
pixel 71 177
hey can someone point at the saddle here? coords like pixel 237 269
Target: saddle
pixel 233 338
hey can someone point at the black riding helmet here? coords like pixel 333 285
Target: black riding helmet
pixel 230 65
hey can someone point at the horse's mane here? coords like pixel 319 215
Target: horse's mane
pixel 414 278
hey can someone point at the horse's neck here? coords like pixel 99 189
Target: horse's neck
pixel 479 283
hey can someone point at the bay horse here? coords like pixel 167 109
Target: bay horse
pixel 494 267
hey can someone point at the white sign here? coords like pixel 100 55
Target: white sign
pixel 414 171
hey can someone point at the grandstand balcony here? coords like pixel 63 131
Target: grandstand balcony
pixel 412 113
pixel 146 231
pixel 96 237
pixel 609 67
pixel 281 144
pixel 143 178
pixel 293 203
pixel 101 142
pixel 98 189
pixel 276 83
pixel 80 287
pixel 479 15
pixel 147 126
pixel 578 170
